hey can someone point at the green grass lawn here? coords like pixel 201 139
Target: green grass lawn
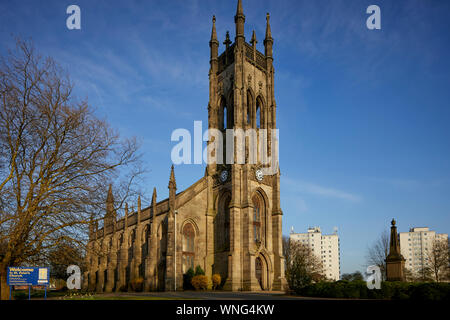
pixel 67 295
pixel 23 294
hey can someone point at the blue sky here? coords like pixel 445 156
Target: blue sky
pixel 363 114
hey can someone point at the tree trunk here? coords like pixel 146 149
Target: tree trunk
pixel 4 288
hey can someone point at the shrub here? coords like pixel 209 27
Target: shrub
pixel 216 280
pixel 388 291
pixel 137 284
pixel 431 291
pixel 20 295
pixel 187 279
pixel 60 285
pixel 123 288
pixel 199 271
pixel 210 284
pixel 200 282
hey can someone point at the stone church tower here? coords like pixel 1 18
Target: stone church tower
pixel 229 221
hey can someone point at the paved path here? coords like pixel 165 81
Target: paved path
pixel 212 295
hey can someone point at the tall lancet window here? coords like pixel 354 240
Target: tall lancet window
pixel 146 241
pixel 258 113
pixel 188 247
pixel 249 106
pixel 225 116
pixel 131 244
pixel 256 220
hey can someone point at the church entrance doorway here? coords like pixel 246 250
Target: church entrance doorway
pixel 259 272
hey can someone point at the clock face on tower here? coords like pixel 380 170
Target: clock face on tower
pixel 224 175
pixel 259 175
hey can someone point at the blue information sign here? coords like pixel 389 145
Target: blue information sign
pixel 27 276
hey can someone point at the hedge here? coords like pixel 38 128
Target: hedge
pixel 389 290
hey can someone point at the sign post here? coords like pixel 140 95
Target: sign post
pixel 27 276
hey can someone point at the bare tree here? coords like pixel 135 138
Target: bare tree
pixel 423 274
pixel 377 253
pixel 56 160
pixel 285 246
pixel 409 275
pixel 438 259
pixel 302 265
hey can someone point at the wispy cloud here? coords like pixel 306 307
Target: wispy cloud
pixel 410 184
pixel 399 183
pixel 303 187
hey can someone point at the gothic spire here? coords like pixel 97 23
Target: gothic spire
pixel 268 31
pixel 139 209
pixel 172 182
pixel 154 196
pixel 227 41
pixel 110 197
pixel 125 223
pixel 110 214
pixel 214 46
pixel 254 41
pixel 213 32
pixel 91 228
pixel 239 10
pixel 239 20
pixel 268 41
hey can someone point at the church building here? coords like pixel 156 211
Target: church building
pixel 229 221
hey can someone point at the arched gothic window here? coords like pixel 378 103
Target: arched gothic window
pixel 146 233
pixel 146 241
pixel 188 247
pixel 257 221
pixel 133 236
pixel 249 107
pixel 227 223
pixel 162 239
pixel 225 116
pixel 222 225
pixel 131 247
pixel 226 113
pixel 258 113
